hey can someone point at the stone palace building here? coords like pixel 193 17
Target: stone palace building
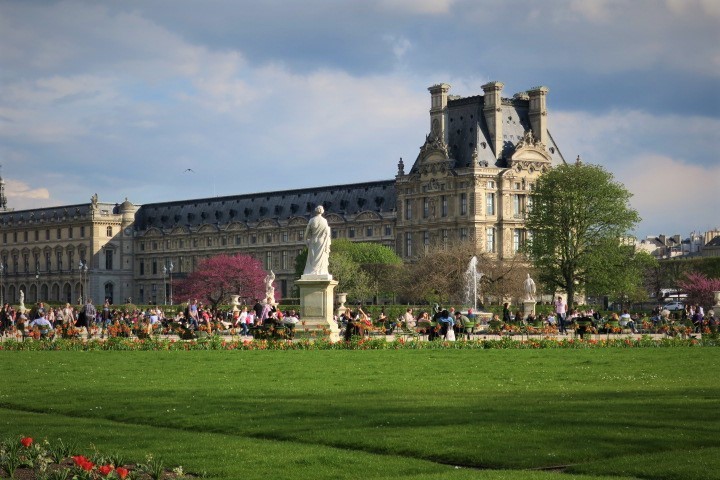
pixel 470 181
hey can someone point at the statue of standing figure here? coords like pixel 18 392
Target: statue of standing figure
pixel 529 289
pixel 22 308
pixel 317 238
pixel 269 288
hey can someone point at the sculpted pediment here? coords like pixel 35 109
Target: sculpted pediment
pixel 368 215
pixel 295 221
pixel 334 218
pixel 207 228
pixel 153 232
pixel 531 157
pixel 234 226
pixel 268 223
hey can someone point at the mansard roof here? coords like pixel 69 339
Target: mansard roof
pixel 49 214
pixel 280 206
pixel 468 130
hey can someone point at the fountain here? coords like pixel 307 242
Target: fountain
pixel 472 278
pixel 472 282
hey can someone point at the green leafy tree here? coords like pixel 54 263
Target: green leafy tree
pixel 628 284
pixel 362 269
pixel 578 217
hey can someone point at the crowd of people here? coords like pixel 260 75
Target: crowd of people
pixel 194 317
pixel 247 320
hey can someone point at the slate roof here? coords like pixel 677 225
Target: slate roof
pixel 341 199
pixel 49 213
pixel 467 129
pixel 715 242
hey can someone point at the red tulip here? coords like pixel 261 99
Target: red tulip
pixel 105 470
pixel 122 472
pixel 83 462
pixel 26 441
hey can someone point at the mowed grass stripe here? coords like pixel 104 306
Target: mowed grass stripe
pixel 498 408
pixel 232 457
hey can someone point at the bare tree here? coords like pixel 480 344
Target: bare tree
pixel 438 275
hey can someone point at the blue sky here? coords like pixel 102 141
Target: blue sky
pixel 120 98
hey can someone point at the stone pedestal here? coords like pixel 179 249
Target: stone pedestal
pixel 529 308
pixel 316 305
pixel 716 307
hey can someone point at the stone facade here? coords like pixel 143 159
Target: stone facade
pixel 42 251
pixel 474 173
pixel 470 181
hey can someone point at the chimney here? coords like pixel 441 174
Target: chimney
pixel 538 113
pixel 492 110
pixel 438 110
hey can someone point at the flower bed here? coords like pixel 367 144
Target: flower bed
pixel 216 342
pixel 25 458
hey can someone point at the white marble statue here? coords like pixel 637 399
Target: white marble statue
pixel 317 238
pixel 22 308
pixel 529 289
pixel 269 288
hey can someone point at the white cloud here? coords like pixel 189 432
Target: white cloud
pixel 672 196
pixel 20 194
pixel 662 159
pixel 399 45
pixel 424 7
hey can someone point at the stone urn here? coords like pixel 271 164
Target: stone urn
pixel 340 299
pixel 235 302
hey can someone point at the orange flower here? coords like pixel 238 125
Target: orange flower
pixel 121 472
pixel 26 442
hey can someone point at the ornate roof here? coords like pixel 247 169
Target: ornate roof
pixel 343 200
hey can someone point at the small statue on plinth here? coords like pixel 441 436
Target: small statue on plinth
pixel 269 288
pixel 529 289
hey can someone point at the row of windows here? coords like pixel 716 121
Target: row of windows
pixel 430 209
pixel 25 236
pixel 23 264
pixel 520 204
pixel 254 239
pixel 283 260
pixel 52 263
pixel 519 238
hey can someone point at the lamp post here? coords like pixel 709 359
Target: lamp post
pixel 83 280
pixel 167 270
pixel 170 269
pixel 2 272
pixel 165 295
pixel 37 284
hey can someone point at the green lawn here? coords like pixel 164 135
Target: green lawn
pixel 622 413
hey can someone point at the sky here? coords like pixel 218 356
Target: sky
pixel 122 98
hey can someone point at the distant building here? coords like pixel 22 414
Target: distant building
pixel 696 244
pixel 470 181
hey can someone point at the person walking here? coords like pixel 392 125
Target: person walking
pixel 560 313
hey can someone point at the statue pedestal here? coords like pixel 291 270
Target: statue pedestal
pixel 529 307
pixel 316 305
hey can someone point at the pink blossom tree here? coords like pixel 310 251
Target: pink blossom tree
pixel 699 288
pixel 219 277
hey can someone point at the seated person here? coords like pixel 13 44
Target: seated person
pixel 627 321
